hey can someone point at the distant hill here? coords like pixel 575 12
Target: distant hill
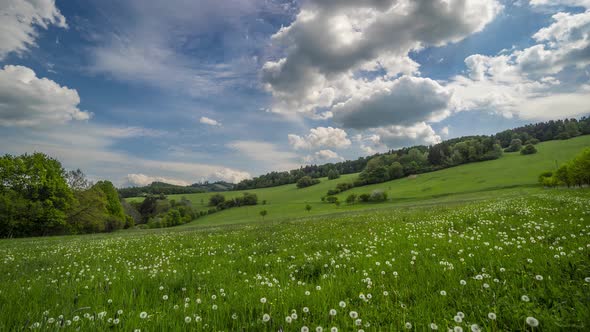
pixel 161 188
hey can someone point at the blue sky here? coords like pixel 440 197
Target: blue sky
pixel 186 91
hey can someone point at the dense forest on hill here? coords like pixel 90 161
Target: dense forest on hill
pixel 161 188
pixel 421 159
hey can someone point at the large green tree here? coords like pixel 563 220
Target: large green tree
pixel 34 196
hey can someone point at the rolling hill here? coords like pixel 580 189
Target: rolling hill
pixel 512 174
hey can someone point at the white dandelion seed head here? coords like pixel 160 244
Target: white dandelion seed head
pixel 532 321
pixel 492 316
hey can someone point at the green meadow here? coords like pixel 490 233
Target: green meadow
pixel 511 175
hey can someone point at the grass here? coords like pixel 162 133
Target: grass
pixel 511 175
pixel 449 265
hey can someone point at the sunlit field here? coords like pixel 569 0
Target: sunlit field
pixel 506 264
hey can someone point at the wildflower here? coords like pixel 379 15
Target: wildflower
pixel 165 297
pixel 532 321
pixel 463 282
pixel 319 329
pixel 142 315
pixel 265 318
pixel 475 328
pixel 334 329
pixel 332 312
pixel 492 316
pixel 433 326
pixel 443 293
pixel 109 301
pixel 187 319
pixel 119 312
pixel 234 316
pixel 263 300
pixel 458 319
pixel 76 318
pixel 294 316
pixel 288 319
pixel 305 309
pixel 408 325
pixel 353 314
pixel 525 298
pixel 304 329
pixel 461 314
pixel 116 321
pixel 214 307
pixel 385 293
pixel 342 304
pixel 50 320
pixel 539 277
pixel 458 329
pixel 358 322
pixel 307 293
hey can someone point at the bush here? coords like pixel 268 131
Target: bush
pixel 378 196
pixel 364 197
pixel 528 149
pixel 332 199
pixel 216 199
pixel 306 181
pixel 351 199
pixel 333 174
pixel 515 146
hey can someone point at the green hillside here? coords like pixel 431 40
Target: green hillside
pixel 513 174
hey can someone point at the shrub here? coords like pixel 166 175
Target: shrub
pixel 216 199
pixel 333 174
pixel 306 181
pixel 351 199
pixel 378 196
pixel 364 197
pixel 528 149
pixel 332 199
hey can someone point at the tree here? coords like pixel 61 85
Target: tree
pixel 515 145
pixel 77 180
pixel 333 174
pixel 364 197
pixel 396 170
pixel 216 199
pixel 306 181
pixel 528 149
pixel 331 199
pixel 35 196
pixel 90 212
pixel 308 207
pixel 263 213
pixel 249 199
pixel 351 199
pixel 378 196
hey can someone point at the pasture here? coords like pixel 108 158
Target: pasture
pixel 505 264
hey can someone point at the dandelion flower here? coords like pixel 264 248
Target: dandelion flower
pixel 142 315
pixel 353 314
pixel 165 297
pixel 463 282
pixel 319 329
pixel 304 329
pixel 263 300
pixel 288 319
pixel 187 319
pixel 334 329
pixel 539 277
pixel 532 321
pixel 443 293
pixel 525 298
pixel 408 325
pixel 265 318
pixel 332 312
pixel 475 328
pixel 433 326
pixel 342 304
pixel 492 316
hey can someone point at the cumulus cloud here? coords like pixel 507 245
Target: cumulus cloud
pixel 404 101
pixel 31 101
pixel 209 121
pixel 19 20
pixel 525 82
pixel 400 136
pixel 320 137
pixel 331 44
pixel 140 180
pixel 322 156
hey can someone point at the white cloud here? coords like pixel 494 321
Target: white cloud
pixel 400 136
pixel 320 137
pixel 331 44
pixel 140 180
pixel 574 3
pixel 445 131
pixel 209 121
pixel 524 83
pixel 272 158
pixel 403 101
pixel 18 22
pixel 31 101
pixel 322 156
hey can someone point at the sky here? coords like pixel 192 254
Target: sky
pixel 185 91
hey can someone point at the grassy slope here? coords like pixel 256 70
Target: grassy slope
pixel 513 174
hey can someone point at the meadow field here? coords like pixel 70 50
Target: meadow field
pixel 511 175
pixel 517 263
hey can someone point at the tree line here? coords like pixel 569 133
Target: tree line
pixel 38 197
pixel 161 188
pixel 420 159
pixel 575 173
